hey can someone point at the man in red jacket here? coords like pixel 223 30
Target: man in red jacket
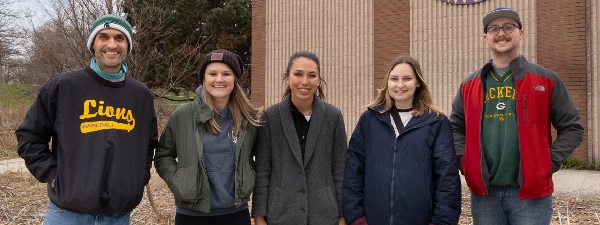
pixel 502 117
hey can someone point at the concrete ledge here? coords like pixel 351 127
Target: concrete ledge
pixel 12 165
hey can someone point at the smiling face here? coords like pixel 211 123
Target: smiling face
pixel 503 43
pixel 303 79
pixel 402 84
pixel 110 49
pixel 219 81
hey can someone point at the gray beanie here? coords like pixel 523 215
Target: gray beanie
pixel 234 61
pixel 111 21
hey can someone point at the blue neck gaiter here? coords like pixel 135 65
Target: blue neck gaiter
pixel 109 76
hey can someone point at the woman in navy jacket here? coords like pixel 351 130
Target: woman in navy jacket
pixel 402 167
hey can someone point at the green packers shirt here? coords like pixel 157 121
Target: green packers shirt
pixel 499 129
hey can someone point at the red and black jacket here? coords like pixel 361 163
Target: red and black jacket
pixel 542 100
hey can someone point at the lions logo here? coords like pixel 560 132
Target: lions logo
pixel 99 117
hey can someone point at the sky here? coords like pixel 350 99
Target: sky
pixel 35 8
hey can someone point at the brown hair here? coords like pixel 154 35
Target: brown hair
pixel 313 57
pixel 422 100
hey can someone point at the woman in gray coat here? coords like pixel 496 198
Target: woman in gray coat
pixel 300 153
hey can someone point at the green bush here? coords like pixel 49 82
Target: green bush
pixel 573 163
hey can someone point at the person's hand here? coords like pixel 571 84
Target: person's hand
pixel 360 221
pixel 342 221
pixel 259 220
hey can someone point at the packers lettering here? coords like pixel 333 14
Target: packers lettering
pixel 93 110
pixel 499 92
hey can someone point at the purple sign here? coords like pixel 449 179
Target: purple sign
pixel 462 2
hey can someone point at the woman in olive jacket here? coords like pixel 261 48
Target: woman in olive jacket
pixel 205 151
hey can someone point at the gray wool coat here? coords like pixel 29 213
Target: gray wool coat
pixel 288 189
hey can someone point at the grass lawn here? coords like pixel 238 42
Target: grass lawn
pixel 15 95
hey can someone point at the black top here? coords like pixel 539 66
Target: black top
pixel 301 126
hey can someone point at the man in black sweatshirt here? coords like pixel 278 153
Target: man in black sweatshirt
pixel 103 130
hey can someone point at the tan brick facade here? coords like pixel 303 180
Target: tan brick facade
pixel 593 80
pixel 357 39
pixel 259 26
pixel 561 24
pixel 391 29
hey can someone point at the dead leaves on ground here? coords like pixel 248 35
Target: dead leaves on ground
pixel 23 200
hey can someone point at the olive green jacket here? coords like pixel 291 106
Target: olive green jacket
pixel 179 158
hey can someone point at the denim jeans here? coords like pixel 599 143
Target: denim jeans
pixel 58 216
pixel 503 207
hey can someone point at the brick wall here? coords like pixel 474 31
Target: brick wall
pixel 258 52
pixel 561 40
pixel 391 35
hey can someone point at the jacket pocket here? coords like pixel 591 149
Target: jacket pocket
pixel 185 183
pixel 247 181
pixel 331 213
pixel 278 207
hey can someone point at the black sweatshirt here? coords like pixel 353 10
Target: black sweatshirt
pixel 103 137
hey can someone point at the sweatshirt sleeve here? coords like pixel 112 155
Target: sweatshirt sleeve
pixel 35 132
pixel 153 142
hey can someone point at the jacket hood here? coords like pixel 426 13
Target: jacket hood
pixel 201 111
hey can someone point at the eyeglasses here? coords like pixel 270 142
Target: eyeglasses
pixel 507 28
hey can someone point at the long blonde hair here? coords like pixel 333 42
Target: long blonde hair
pixel 239 106
pixel 422 100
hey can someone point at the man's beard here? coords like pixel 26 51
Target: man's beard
pixel 508 52
pixel 109 63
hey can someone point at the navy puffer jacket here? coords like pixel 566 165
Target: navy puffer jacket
pixel 410 179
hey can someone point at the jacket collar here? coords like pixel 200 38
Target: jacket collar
pixel 317 118
pixel 516 66
pixel 201 111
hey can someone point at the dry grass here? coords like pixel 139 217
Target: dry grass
pixel 567 210
pixel 23 200
pixel 10 118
